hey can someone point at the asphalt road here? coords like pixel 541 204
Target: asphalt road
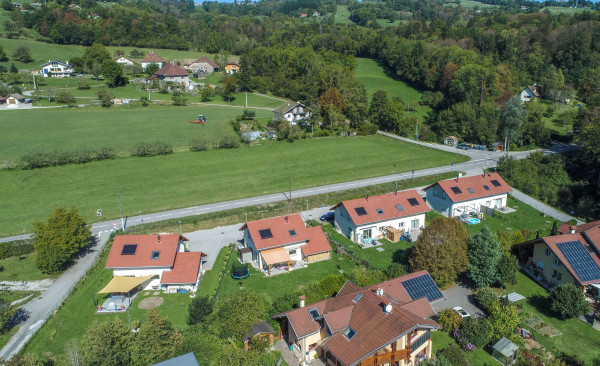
pixel 42 307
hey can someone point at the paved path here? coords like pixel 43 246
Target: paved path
pixel 41 308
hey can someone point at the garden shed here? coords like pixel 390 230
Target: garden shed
pixel 505 351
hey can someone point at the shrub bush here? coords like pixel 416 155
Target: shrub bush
pixel 485 297
pixel 57 158
pixel 14 248
pixel 248 114
pixel 449 320
pixel 152 149
pixel 478 331
pixel 82 84
pixel 568 301
pixel 199 145
pixel 65 97
pixel 454 355
pixel 229 142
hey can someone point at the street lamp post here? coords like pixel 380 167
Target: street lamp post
pixel 141 218
pixel 121 212
pixel 180 232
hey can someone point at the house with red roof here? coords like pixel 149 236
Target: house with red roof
pixel 381 216
pixel 572 257
pixel 384 324
pixel 232 67
pixel 162 256
pixel 467 195
pixel 284 242
pixel 171 72
pixel 152 58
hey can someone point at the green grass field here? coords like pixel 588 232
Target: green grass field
pixel 564 10
pixel 192 178
pixel 120 128
pixel 471 4
pixel 342 15
pixel 555 122
pixel 374 77
pixel 21 268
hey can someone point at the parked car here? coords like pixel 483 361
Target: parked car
pixel 328 216
pixel 463 146
pixel 462 312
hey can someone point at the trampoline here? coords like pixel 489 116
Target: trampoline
pixel 240 271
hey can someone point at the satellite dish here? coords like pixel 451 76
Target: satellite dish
pixel 388 308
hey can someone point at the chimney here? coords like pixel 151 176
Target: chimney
pixel 388 309
pixel 302 298
pixel 379 292
pixel 158 238
pixel 286 218
pixel 571 230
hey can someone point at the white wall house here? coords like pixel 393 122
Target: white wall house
pixel 163 256
pixel 57 69
pixel 291 112
pixel 531 92
pixel 152 58
pixel 284 239
pixel 370 217
pixel 123 61
pixel 456 197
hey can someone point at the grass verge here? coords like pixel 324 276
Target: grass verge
pixel 21 268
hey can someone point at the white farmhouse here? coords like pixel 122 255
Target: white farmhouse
pixel 291 112
pixel 124 61
pixel 285 242
pixel 57 69
pixel 161 256
pixel 171 72
pixel 455 197
pixel 380 216
pixel 531 92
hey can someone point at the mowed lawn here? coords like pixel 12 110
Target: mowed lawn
pixel 342 15
pixel 120 128
pixel 191 178
pixel 374 77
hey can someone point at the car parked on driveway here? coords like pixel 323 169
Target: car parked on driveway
pixel 462 312
pixel 328 216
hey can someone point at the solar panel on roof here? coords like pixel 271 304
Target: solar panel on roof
pixel 129 249
pixel 486 187
pixel 580 259
pixel 413 201
pixel 399 207
pixel 360 211
pixel 456 190
pixel 422 286
pixel 470 190
pixel 495 183
pixel 265 233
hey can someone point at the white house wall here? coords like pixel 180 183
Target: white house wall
pixel 477 203
pixel 346 226
pixel 442 204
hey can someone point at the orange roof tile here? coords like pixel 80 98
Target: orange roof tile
pixel 142 254
pixel 552 242
pixel 185 269
pixel 564 228
pixel 170 69
pixel 481 185
pixel 387 204
pixel 206 60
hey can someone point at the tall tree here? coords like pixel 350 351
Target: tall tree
pixel 441 250
pixel 568 301
pixel 59 239
pixel 22 54
pixel 95 54
pixel 507 269
pixel 106 343
pixel 512 118
pixel 199 309
pixel 235 322
pixel 484 255
pixel 156 341
pixel 113 74
pixel 3 57
pixel 503 317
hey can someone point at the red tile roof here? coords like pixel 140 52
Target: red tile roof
pixel 146 245
pixel 170 69
pixel 152 57
pixel 280 227
pixel 387 204
pixel 551 241
pixel 206 60
pixel 185 269
pixel 364 314
pixel 477 183
pixel 564 228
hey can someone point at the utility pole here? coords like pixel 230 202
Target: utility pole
pixel 290 188
pixel 141 218
pixel 246 99
pixel 34 83
pixel 180 232
pixel 121 212
pixel 417 130
pixel 306 210
pixel 506 145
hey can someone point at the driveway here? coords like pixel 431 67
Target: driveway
pixel 460 295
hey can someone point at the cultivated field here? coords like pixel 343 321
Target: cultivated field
pixel 471 4
pixel 191 178
pixel 342 15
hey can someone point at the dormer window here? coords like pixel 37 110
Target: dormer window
pixel 314 313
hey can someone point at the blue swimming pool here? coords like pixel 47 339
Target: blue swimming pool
pixel 473 221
